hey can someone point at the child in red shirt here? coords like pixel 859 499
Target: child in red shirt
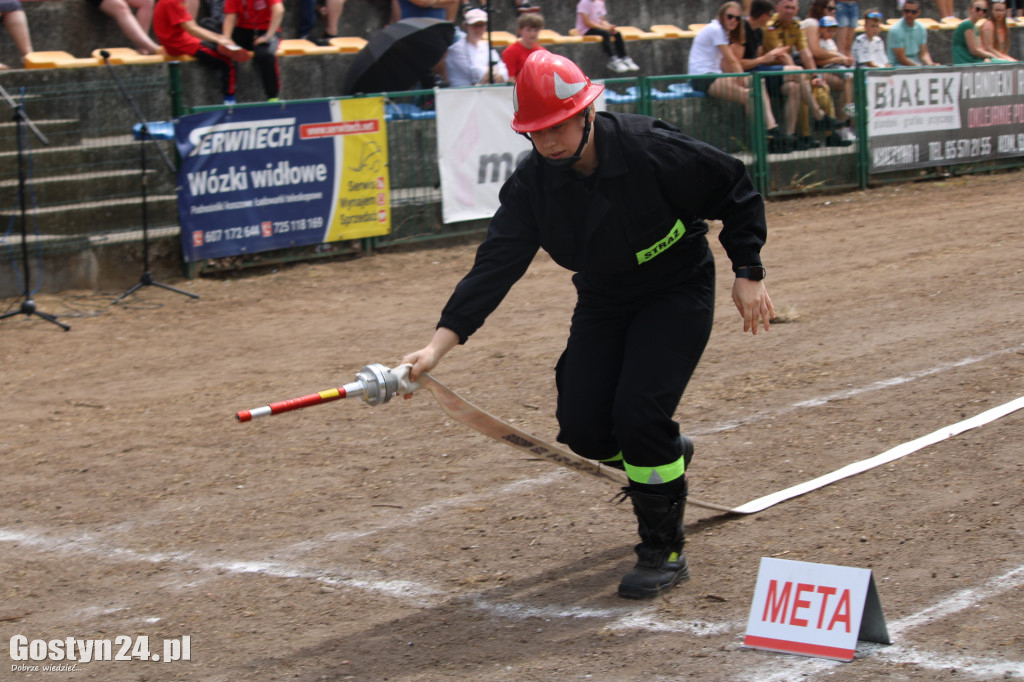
pixel 256 26
pixel 179 34
pixel 514 56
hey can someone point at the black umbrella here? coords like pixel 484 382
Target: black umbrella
pixel 399 56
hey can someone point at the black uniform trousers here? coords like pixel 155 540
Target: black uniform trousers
pixel 626 364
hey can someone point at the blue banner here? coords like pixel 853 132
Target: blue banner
pixel 260 178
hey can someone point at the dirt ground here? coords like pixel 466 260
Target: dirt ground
pixel 391 543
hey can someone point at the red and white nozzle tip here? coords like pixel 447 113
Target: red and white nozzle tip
pixel 374 384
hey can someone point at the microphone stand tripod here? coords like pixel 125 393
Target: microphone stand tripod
pixel 28 306
pixel 144 135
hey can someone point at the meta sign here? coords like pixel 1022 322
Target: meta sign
pixel 814 610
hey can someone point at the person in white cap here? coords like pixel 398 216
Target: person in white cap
pixel 470 60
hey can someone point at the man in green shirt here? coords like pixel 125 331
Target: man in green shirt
pixel 907 43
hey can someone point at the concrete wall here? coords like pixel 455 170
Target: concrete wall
pixel 78 27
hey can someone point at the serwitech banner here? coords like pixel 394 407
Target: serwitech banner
pixel 260 178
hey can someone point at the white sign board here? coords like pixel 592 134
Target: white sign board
pixel 814 609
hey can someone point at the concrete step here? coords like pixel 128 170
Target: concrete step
pixel 67 130
pixel 90 217
pixel 107 154
pixel 59 189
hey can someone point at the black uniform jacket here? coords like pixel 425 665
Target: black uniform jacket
pixel 615 228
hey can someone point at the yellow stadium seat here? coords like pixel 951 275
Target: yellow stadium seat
pixel 671 31
pixel 346 44
pixel 546 35
pixel 502 38
pixel 126 55
pixel 58 60
pixel 634 33
pixel 585 39
pixel 297 46
pixel 696 28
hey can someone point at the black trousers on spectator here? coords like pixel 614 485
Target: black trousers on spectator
pixel 626 364
pixel 606 41
pixel 264 57
pixel 207 54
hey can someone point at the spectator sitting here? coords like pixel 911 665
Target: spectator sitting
pixel 179 34
pixel 995 37
pixel 784 29
pixel 591 19
pixel 470 60
pixel 907 42
pixel 14 20
pixel 827 29
pixel 514 56
pixel 710 54
pixel 826 53
pixel 868 47
pixel 256 25
pixel 789 88
pixel 134 26
pixel 967 46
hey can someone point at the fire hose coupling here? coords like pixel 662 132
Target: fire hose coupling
pixel 381 383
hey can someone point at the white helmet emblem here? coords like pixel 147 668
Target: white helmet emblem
pixel 565 90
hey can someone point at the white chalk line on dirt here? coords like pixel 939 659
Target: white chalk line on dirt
pixel 853 392
pixel 88 545
pixel 984 668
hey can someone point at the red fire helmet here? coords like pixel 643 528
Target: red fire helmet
pixel 550 89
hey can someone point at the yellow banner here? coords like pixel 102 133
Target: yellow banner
pixel 362 206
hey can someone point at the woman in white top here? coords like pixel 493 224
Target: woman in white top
pixel 468 59
pixel 710 53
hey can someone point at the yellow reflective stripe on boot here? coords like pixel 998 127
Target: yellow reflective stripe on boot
pixel 674 235
pixel 654 475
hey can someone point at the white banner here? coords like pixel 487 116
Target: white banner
pixel 477 150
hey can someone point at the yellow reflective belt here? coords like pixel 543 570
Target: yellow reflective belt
pixel 654 475
pixel 616 458
pixel 674 235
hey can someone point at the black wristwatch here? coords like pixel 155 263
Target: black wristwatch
pixel 752 272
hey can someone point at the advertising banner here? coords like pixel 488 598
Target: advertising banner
pixel 941 116
pixel 477 150
pixel 260 178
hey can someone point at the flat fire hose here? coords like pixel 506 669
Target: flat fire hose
pixel 376 384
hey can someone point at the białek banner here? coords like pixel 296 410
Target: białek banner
pixel 260 178
pixel 944 115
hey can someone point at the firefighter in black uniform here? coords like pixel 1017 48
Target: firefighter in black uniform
pixel 620 200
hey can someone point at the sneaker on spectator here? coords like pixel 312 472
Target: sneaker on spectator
pixel 229 100
pixel 526 7
pixel 630 64
pixel 850 109
pixel 847 134
pixel 617 65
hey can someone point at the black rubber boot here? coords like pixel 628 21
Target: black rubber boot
pixel 660 559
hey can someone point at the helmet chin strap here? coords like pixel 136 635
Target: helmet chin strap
pixel 571 160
